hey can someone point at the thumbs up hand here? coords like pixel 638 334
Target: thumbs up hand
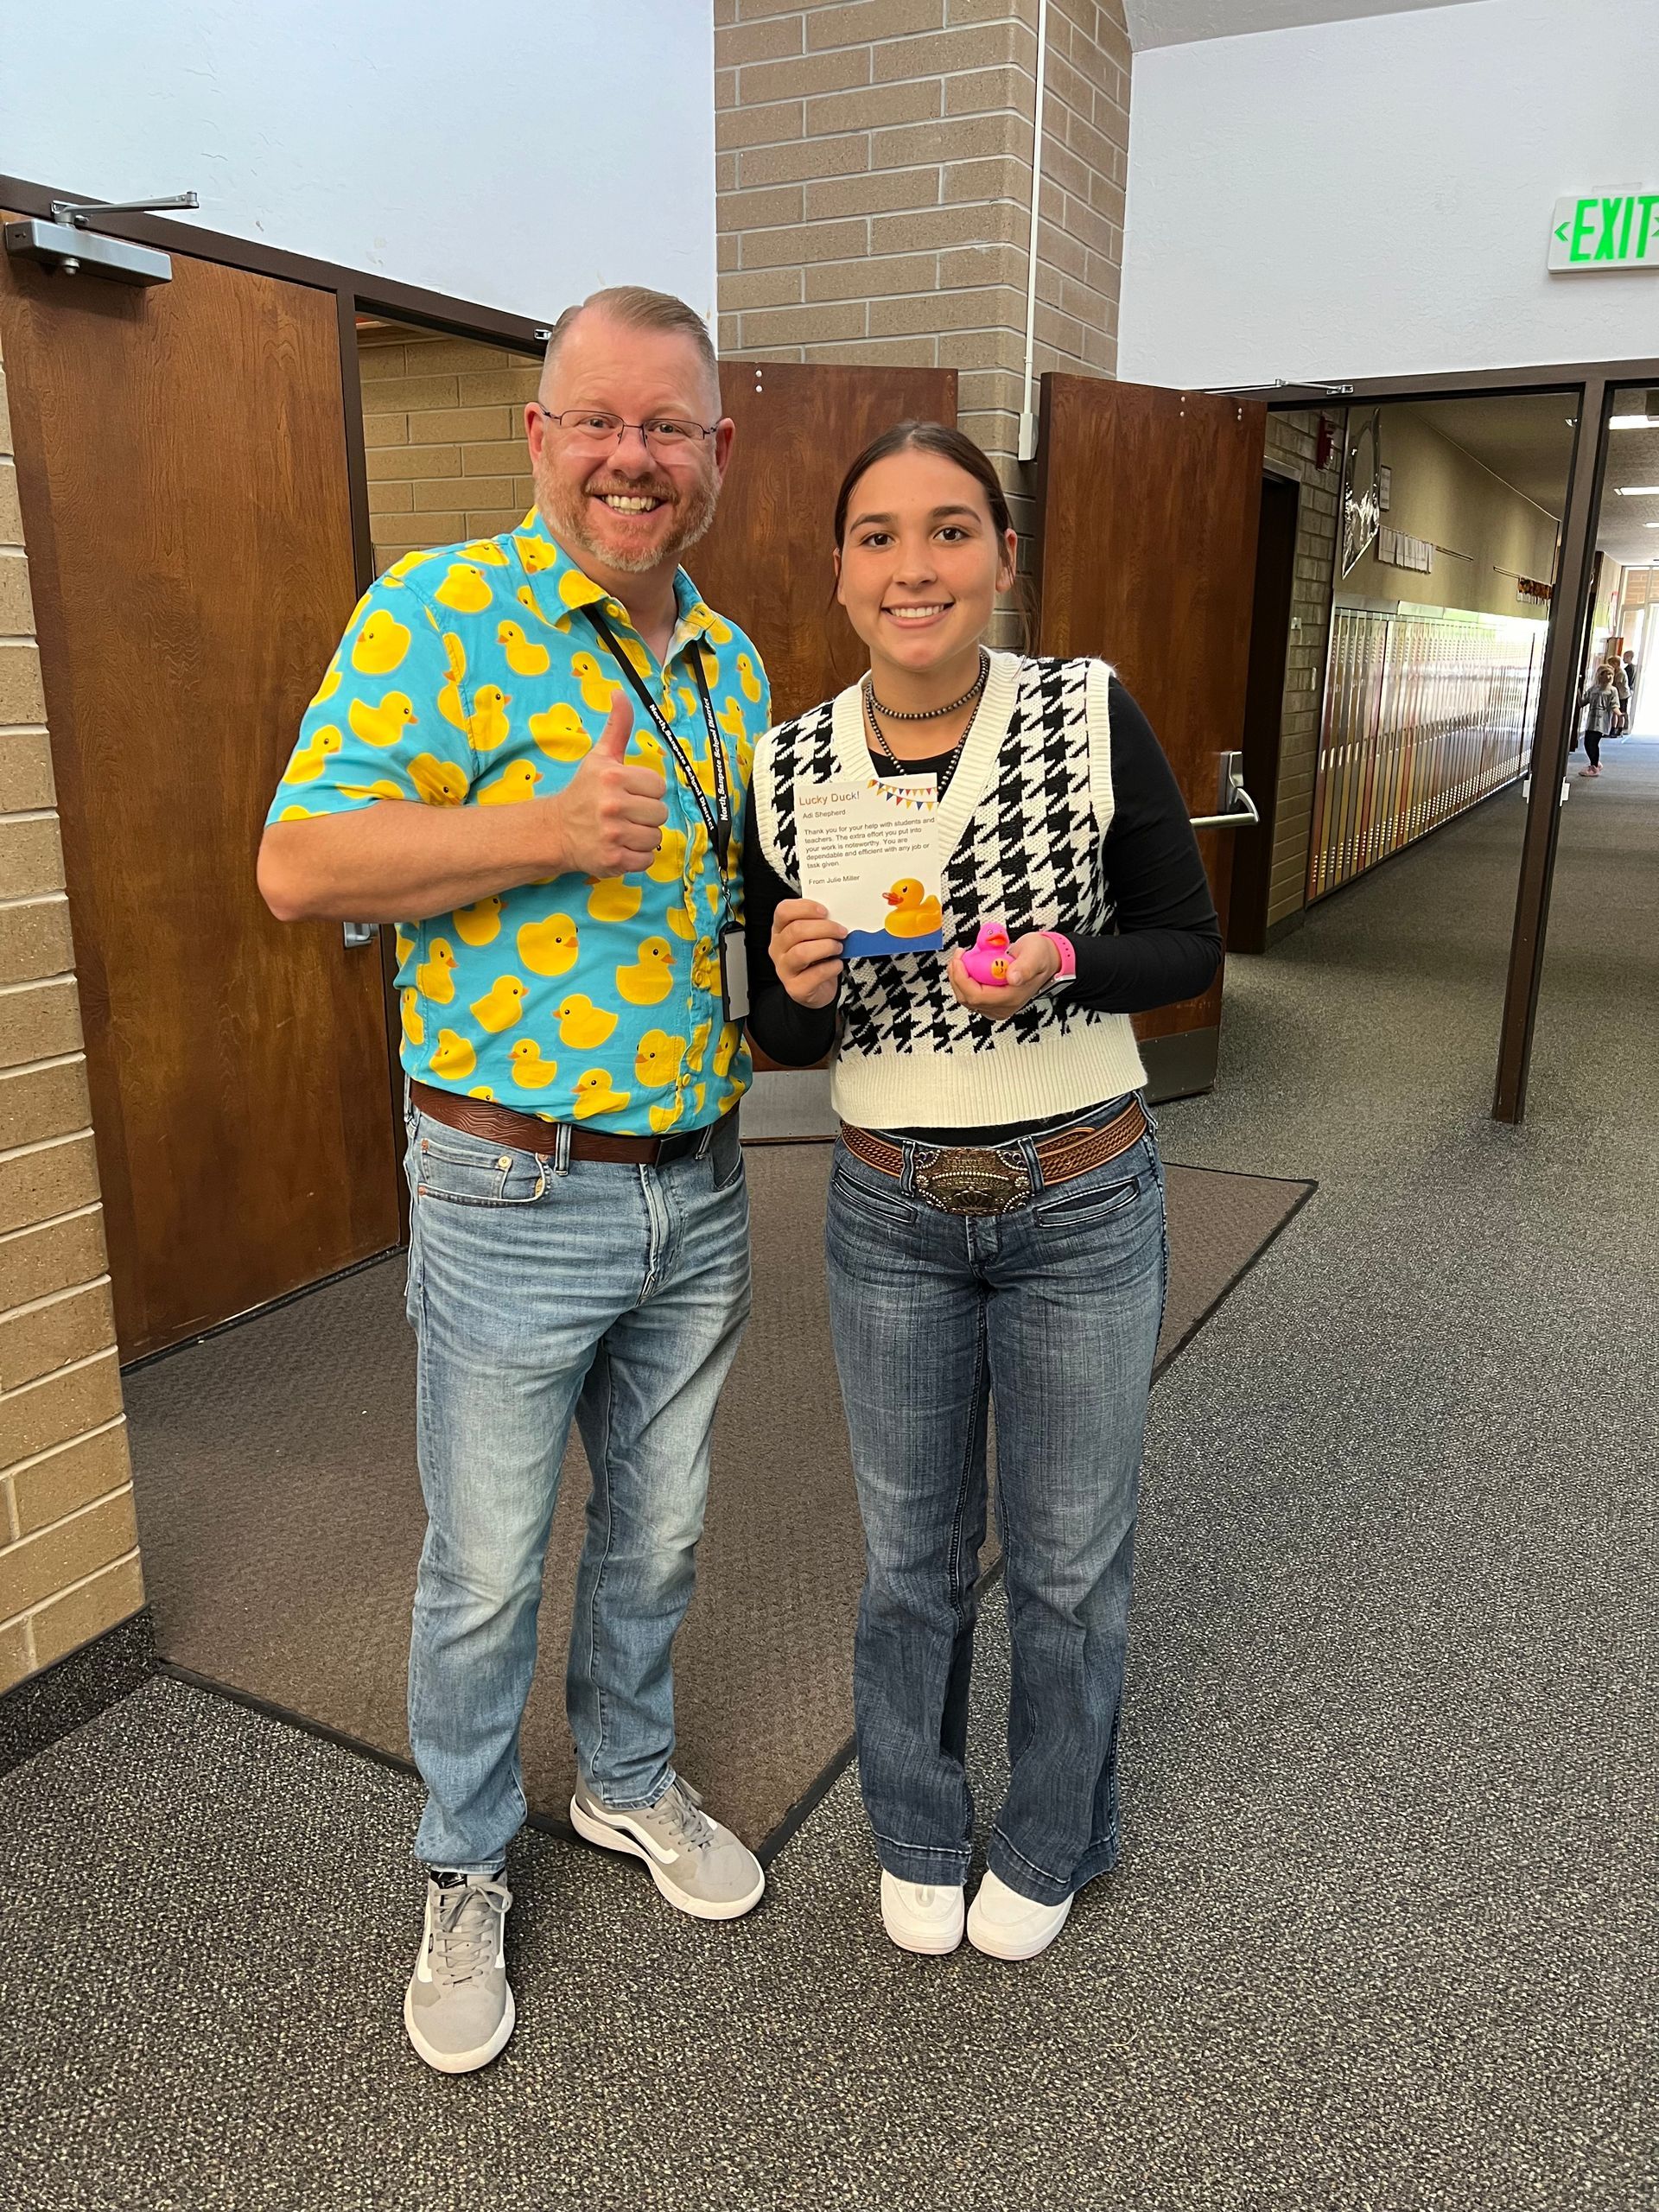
pixel 611 813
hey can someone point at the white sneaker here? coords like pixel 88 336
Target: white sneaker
pixel 1004 1925
pixel 919 1917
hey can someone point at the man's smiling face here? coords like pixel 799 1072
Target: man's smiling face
pixel 628 508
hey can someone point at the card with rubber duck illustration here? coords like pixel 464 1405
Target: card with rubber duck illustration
pixel 868 849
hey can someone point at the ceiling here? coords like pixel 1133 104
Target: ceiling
pixel 1528 440
pixel 1177 23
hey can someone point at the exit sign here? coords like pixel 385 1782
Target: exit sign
pixel 1602 230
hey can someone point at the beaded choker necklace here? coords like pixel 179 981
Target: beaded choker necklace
pixel 930 714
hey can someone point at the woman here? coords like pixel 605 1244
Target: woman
pixel 996 1227
pixel 1600 704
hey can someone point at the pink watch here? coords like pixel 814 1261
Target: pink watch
pixel 1067 971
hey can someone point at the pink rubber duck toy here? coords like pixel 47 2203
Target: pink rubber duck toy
pixel 987 960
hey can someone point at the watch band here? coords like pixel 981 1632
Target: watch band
pixel 1067 971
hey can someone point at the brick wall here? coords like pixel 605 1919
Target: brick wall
pixel 872 169
pixel 1290 452
pixel 444 419
pixel 68 1547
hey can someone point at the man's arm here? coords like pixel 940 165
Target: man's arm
pixel 401 861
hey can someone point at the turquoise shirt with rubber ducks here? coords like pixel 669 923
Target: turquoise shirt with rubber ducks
pixel 470 675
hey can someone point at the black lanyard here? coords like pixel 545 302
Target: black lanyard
pixel 717 819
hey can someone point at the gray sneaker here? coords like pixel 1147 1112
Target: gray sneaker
pixel 699 1866
pixel 458 2008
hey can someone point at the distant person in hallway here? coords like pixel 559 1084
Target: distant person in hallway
pixel 1622 686
pixel 996 1228
pixel 1599 716
pixel 565 883
pixel 1629 690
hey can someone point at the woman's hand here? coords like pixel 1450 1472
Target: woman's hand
pixel 1032 962
pixel 806 950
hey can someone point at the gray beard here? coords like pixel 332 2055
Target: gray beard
pixel 565 514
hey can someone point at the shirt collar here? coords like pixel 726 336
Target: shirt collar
pixel 571 588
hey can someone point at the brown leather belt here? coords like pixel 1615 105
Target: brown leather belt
pixel 482 1118
pixel 971 1179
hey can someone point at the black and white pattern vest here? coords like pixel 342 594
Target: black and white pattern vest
pixel 1021 825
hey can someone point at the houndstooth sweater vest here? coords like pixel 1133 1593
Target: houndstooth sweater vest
pixel 1021 825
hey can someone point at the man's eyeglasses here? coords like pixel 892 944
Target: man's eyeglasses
pixel 663 434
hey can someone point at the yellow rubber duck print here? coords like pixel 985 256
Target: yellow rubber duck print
pixel 699 1045
pixel 485 550
pixel 613 899
pixel 561 733
pixel 548 947
pixel 501 1005
pixel 298 814
pixel 523 657
pixel 683 919
pixel 407 565
pixel 536 554
pixel 635 653
pixel 730 718
pixel 382 787
pixel 465 587
pixel 310 759
pixel 489 725
pixel 643 746
pixel 712 625
pixel 913 914
pixel 480 1090
pixel 405 943
pixel 726 1051
pixel 657 1059
pixel 575 590
pixel 408 1008
pixel 330 683
pixel 382 725
pixel 598 689
pixel 516 782
pixel 595 1096
pixel 450 703
pixel 532 605
pixel 529 1070
pixel 705 966
pixel 670 863
pixel 663 1118
pixel 581 1024
pixel 650 980
pixel 688 699
pixel 440 783
pixel 747 676
pixel 435 978
pixel 380 645
pixel 479 924
pixel 451 1055
pixel 698 1096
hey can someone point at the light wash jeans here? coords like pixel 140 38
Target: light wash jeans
pixel 612 1293
pixel 1050 1311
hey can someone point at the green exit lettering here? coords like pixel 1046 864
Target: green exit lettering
pixel 1602 229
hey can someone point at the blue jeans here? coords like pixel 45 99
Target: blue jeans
pixel 1050 1311
pixel 617 1295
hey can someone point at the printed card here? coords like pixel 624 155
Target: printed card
pixel 868 850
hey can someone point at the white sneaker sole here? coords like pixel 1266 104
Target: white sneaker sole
pixel 1010 1943
pixel 463 2062
pixel 925 1940
pixel 610 1838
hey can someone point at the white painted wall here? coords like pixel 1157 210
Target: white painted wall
pixel 1373 197
pixel 517 155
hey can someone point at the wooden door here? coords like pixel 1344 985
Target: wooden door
pixel 1147 505
pixel 766 561
pixel 182 459
pixel 1264 712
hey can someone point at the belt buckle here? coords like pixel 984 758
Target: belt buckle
pixel 965 1180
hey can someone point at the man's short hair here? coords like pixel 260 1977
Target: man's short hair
pixel 635 306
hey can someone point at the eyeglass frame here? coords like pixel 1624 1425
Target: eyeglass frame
pixel 704 430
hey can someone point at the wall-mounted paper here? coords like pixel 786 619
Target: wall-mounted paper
pixel 869 851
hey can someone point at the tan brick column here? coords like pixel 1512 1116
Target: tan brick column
pixel 68 1544
pixel 873 170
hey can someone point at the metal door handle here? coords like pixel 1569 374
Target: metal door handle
pixel 1238 807
pixel 358 933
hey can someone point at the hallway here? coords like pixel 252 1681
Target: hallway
pixel 1383 1932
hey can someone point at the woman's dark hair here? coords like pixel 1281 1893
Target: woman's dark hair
pixel 949 445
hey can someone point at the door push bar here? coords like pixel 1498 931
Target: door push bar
pixel 1238 808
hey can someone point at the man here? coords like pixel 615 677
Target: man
pixel 572 1035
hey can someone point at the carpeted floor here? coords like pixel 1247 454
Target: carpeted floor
pixel 1383 1940
pixel 281 1519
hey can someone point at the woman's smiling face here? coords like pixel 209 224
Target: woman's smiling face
pixel 921 562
